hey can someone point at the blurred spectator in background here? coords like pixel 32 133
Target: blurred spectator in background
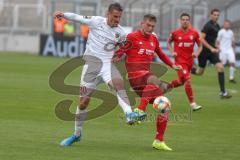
pixel 69 29
pixel 59 26
pixel 84 30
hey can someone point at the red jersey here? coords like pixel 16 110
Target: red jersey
pixel 140 56
pixel 184 44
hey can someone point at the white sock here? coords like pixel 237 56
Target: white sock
pixel 81 115
pixel 231 73
pixel 123 101
pixel 193 104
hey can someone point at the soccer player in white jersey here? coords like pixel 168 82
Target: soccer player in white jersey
pixel 98 64
pixel 226 44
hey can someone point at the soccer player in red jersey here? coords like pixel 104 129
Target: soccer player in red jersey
pixel 146 85
pixel 184 40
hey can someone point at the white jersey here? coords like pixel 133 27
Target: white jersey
pixel 99 36
pixel 225 39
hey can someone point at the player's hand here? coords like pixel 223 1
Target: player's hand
pixel 116 59
pixel 215 50
pixel 174 54
pixel 177 67
pixel 195 55
pixel 59 15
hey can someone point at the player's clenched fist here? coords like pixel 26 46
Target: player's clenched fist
pixel 215 50
pixel 177 67
pixel 174 54
pixel 59 15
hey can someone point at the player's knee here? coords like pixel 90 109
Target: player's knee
pixel 153 80
pixel 181 81
pixel 232 64
pixel 220 67
pixel 84 101
pixel 187 81
pixel 83 105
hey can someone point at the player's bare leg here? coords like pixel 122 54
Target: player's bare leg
pixel 162 85
pixel 81 114
pixel 123 100
pixel 80 117
pixel 221 79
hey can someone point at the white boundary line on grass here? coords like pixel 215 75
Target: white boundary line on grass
pixel 233 91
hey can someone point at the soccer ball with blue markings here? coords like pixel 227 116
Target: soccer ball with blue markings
pixel 162 104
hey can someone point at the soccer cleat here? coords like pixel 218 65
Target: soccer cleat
pixel 161 146
pixel 141 114
pixel 194 70
pixel 195 106
pixel 70 140
pixel 131 118
pixel 225 95
pixel 233 81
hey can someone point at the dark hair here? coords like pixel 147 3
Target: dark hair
pixel 185 14
pixel 215 10
pixel 150 17
pixel 115 6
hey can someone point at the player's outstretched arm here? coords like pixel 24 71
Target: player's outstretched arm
pixel 73 17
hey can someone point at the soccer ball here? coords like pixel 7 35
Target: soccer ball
pixel 162 104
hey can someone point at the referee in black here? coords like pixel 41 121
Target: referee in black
pixel 211 52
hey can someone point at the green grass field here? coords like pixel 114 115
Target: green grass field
pixel 30 129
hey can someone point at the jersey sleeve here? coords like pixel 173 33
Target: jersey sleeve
pixel 88 20
pixel 205 29
pixel 162 55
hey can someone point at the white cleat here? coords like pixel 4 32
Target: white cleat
pixel 195 106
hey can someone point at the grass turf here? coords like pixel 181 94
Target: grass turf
pixel 30 129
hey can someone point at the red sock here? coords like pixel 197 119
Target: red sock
pixel 144 102
pixel 189 92
pixel 175 83
pixel 150 92
pixel 161 124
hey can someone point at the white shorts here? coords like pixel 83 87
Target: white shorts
pixel 93 73
pixel 227 57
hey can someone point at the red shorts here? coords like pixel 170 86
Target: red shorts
pixel 185 73
pixel 138 82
